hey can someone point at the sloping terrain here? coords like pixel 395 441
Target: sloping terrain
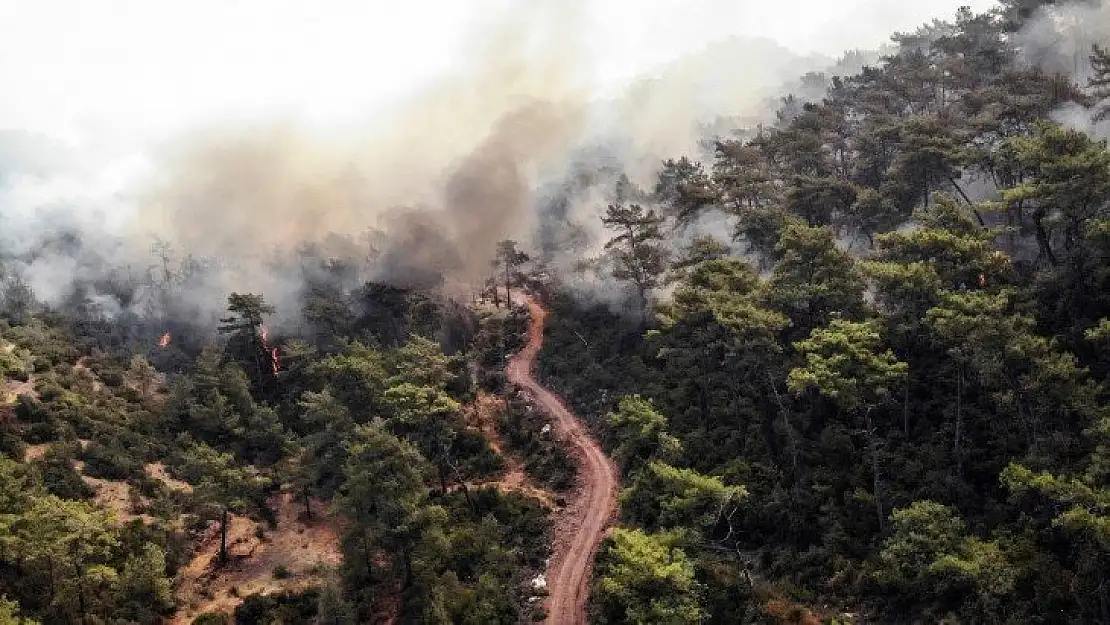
pixel 580 528
pixel 293 556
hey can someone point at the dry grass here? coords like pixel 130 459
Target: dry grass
pixel 35 452
pixel 157 470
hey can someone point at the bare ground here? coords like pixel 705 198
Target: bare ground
pixel 307 549
pixel 580 528
pixel 158 471
pixel 111 495
pixel 14 388
pixel 482 415
pixel 83 371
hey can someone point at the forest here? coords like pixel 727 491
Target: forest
pixel 879 397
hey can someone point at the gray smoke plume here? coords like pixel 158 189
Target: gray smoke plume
pixel 1058 39
pixel 443 176
pixel 510 145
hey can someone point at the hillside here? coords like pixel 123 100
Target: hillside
pixel 844 364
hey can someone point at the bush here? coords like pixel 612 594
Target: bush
pixel 111 463
pixel 149 486
pixel 282 572
pixel 479 459
pixel 544 457
pixel 30 410
pixel 529 535
pixel 38 433
pixel 286 608
pixel 60 478
pixel 10 444
pixel 112 378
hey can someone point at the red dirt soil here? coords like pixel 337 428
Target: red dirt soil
pixel 581 527
pixel 482 416
pixel 307 549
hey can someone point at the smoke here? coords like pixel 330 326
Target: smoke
pixel 1058 39
pixel 513 143
pixel 1084 119
pixel 444 175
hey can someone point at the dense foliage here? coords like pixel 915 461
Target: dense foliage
pixel 369 417
pixel 892 402
pixel 880 395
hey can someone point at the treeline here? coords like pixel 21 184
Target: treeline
pixel 891 405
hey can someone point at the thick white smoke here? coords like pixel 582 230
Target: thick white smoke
pixel 1058 39
pixel 441 175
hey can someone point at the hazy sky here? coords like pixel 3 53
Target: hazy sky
pixel 153 64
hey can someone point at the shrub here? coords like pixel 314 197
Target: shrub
pixel 60 478
pixel 544 457
pixel 291 608
pixel 111 463
pixel 112 378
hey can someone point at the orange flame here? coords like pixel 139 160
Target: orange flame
pixel 165 340
pixel 275 357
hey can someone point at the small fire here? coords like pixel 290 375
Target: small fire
pixel 275 357
pixel 165 340
pixel 982 280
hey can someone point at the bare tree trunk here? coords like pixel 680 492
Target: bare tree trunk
pixel 408 569
pixel 1043 239
pixel 959 420
pixel 1103 601
pixel 462 485
pixel 875 471
pixel 52 586
pixel 223 536
pixel 906 408
pixel 367 556
pixel 81 606
pixel 496 293
pixel 959 189
pixel 789 427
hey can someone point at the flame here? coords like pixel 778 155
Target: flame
pixel 165 340
pixel 275 357
pixel 982 280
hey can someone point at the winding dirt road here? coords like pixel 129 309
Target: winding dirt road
pixel 581 526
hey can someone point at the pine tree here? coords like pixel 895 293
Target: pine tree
pixel 637 249
pixel 1099 83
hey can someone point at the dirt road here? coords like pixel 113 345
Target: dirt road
pixel 581 526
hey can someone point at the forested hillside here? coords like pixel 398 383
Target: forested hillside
pixel 852 367
pixel 345 476
pixel 883 396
